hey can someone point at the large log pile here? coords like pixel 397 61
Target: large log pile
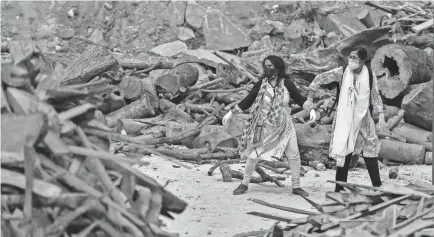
pixel 57 178
pixel 390 210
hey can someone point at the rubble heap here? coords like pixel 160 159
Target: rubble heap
pixel 57 177
pixel 390 210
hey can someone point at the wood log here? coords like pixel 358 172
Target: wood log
pixel 390 135
pixel 428 158
pixel 390 111
pixel 414 135
pixel 401 152
pixel 64 200
pixel 94 61
pixel 113 101
pixel 398 66
pixel 40 187
pixel 235 125
pixel 396 120
pixel 420 41
pixel 239 175
pixel 131 87
pixel 198 108
pixel 177 79
pixel 423 26
pixel 369 39
pixel 314 143
pixel 213 136
pixel 417 105
pixel 229 97
pixel 366 18
pixel 131 127
pixel 137 109
pixel 226 172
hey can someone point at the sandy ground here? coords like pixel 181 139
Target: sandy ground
pixel 214 211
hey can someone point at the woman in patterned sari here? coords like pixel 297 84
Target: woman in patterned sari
pixel 269 132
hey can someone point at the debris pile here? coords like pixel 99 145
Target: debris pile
pixel 174 96
pixel 389 210
pixel 58 179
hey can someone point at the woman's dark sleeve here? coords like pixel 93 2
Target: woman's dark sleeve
pixel 294 93
pixel 250 98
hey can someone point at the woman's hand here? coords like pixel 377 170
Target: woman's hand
pixel 226 118
pixel 308 104
pixel 312 115
pixel 381 122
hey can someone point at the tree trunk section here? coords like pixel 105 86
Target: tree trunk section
pixel 402 152
pixel 398 66
pixel 138 109
pixel 131 87
pixel 179 78
pixel 414 135
pixel 390 111
pixel 365 17
pixel 226 172
pixel 131 127
pixel 428 158
pixel 314 143
pixel 228 98
pixel 213 136
pixel 417 105
pixel 94 61
pixel 369 39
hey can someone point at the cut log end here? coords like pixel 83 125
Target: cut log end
pixel 365 17
pixel 391 87
pixel 398 66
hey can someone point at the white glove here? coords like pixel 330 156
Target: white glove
pixel 227 117
pixel 312 115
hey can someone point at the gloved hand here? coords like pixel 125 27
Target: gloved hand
pixel 312 115
pixel 226 118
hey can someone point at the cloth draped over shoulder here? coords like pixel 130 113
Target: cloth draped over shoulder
pixel 269 122
pixel 366 140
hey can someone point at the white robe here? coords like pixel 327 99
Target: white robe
pixel 352 108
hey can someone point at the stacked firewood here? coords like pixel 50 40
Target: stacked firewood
pixel 404 70
pixel 58 179
pixel 390 210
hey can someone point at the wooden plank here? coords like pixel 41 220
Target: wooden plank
pixel 40 187
pixel 290 209
pixel 423 26
pixel 370 210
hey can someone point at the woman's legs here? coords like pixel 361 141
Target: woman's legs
pixel 248 171
pixel 342 172
pixel 293 156
pixel 251 162
pixel 373 170
pixel 371 165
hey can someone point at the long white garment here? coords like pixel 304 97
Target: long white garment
pixel 352 107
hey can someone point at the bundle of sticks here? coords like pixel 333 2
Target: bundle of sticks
pixel 58 178
pixel 389 210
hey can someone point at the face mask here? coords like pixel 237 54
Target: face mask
pixel 270 72
pixel 353 65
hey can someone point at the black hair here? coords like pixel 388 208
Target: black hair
pixel 279 65
pixel 362 53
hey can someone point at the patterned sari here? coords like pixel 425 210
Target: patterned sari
pixel 268 128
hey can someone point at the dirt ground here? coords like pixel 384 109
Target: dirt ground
pixel 214 211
